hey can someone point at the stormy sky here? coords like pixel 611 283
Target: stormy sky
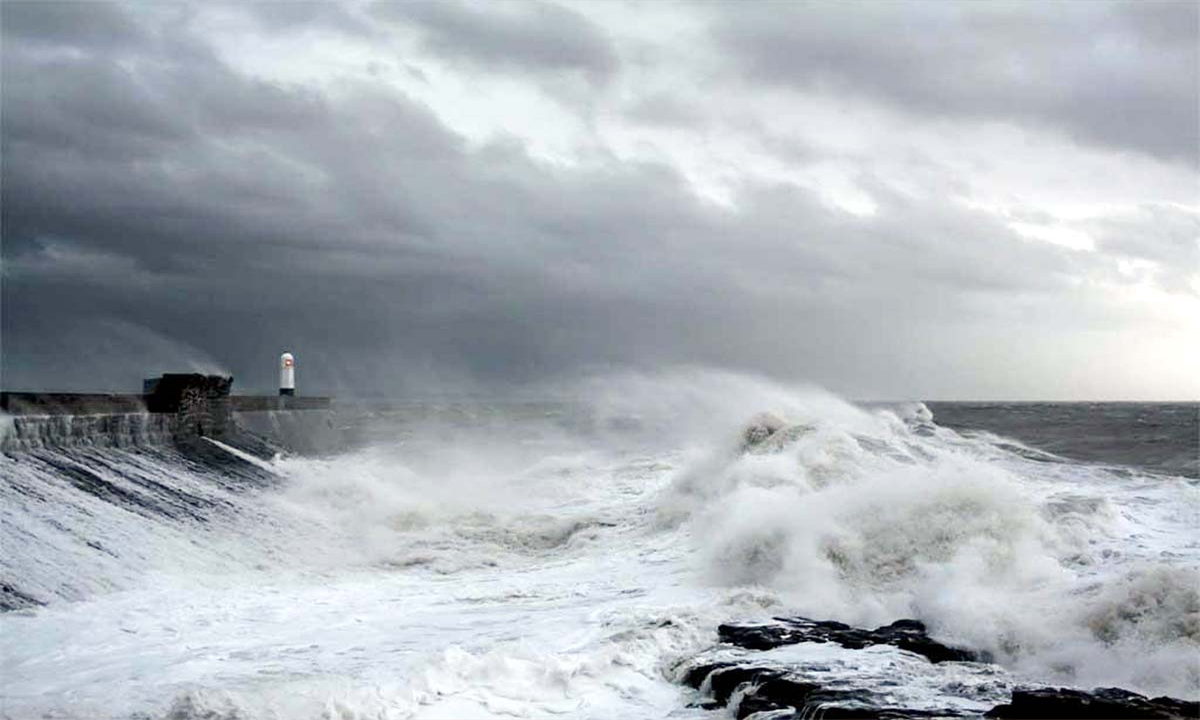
pixel 890 200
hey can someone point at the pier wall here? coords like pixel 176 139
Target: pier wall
pixel 177 408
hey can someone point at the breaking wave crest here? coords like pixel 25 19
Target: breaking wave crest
pixel 870 515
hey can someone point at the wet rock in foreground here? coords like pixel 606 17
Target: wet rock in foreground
pixel 781 696
pixel 905 634
pixel 756 685
pixel 1101 703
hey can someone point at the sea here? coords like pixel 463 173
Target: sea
pixel 569 555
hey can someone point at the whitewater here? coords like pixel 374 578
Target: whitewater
pixel 571 558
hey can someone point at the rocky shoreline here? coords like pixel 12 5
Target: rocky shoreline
pixel 747 675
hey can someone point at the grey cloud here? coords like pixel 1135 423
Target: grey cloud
pixel 168 192
pixel 1124 75
pixel 296 15
pixel 1165 235
pixel 525 35
pixel 82 24
pixel 664 109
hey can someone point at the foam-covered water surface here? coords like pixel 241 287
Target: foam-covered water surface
pixel 568 558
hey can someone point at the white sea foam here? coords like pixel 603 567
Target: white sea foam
pixel 531 567
pixel 863 520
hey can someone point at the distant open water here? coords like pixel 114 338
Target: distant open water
pixel 1163 437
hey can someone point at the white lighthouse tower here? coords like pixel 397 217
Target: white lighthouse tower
pixel 287 374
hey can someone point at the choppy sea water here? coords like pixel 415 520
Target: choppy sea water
pixel 1163 437
pixel 536 559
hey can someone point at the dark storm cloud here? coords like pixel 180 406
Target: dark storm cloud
pixel 186 197
pixel 160 206
pixel 78 24
pixel 1122 75
pixel 297 15
pixel 530 36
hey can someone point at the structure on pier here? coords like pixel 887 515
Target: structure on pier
pixel 197 405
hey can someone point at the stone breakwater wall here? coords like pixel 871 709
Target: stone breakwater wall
pixel 175 408
pixel 31 432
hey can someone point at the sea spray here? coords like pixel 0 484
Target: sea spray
pixel 877 518
pixel 572 553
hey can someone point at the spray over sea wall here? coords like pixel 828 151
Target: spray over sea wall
pixel 566 556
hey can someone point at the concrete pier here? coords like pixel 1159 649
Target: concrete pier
pixel 35 403
pixel 176 407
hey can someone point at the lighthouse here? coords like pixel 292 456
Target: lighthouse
pixel 287 374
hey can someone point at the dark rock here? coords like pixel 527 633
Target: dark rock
pixel 767 689
pixel 905 634
pixel 1101 703
pixel 778 693
pixel 696 676
pixel 748 687
pixel 776 690
pixel 842 705
pixel 13 598
pixel 726 681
